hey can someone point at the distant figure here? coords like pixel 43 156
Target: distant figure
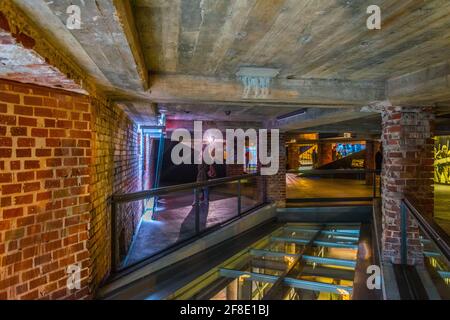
pixel 314 158
pixel 202 176
pixel 379 160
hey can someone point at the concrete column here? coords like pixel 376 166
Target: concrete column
pixel 407 172
pixel 276 184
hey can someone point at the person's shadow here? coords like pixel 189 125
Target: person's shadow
pixel 187 228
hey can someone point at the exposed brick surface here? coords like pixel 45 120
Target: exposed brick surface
pixel 235 170
pixel 407 172
pixel 33 220
pixel 293 154
pixel 57 173
pixel 35 69
pixel 116 166
pixel 325 154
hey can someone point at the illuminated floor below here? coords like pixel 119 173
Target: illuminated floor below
pixel 315 187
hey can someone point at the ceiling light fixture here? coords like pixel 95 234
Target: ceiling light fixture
pixel 292 114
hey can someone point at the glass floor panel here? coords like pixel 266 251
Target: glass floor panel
pixel 437 266
pixel 295 262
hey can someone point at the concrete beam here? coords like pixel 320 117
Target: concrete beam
pixel 315 117
pixel 176 88
pixel 427 86
pixel 126 17
pixel 221 125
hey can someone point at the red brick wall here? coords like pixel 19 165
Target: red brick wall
pixel 293 154
pixel 407 172
pixel 325 154
pixel 62 156
pixel 116 169
pixel 369 162
pixel 45 154
pixel 234 170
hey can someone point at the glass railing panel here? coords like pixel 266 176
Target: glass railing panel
pixel 148 223
pixel 436 265
pixel 218 205
pixel 433 243
pixel 163 222
pixel 251 193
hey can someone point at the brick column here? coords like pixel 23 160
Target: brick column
pixel 293 154
pixel 234 170
pixel 370 161
pixel 407 172
pixel 276 184
pixel 325 154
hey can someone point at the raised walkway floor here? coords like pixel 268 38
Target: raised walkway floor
pixel 314 187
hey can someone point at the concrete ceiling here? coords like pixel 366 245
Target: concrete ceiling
pixel 181 56
pixel 325 39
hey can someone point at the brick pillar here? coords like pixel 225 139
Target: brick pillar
pixel 370 161
pixel 293 154
pixel 325 154
pixel 407 172
pixel 276 184
pixel 234 170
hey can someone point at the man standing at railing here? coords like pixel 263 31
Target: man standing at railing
pixel 203 173
pixel 202 176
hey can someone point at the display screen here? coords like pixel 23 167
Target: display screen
pixel 345 149
pixel 442 160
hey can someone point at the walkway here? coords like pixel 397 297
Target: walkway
pixel 315 187
pixel 319 187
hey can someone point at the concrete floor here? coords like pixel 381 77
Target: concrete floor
pixel 314 187
pixel 310 187
pixel 174 221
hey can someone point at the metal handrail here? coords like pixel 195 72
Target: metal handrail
pixel 334 171
pixel 141 195
pixel 117 199
pixel 432 230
